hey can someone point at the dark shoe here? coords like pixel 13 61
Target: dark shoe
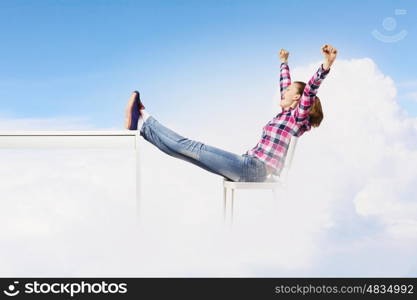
pixel 141 106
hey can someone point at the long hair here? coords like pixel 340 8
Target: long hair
pixel 316 111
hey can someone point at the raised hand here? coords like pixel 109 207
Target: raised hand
pixel 283 55
pixel 329 53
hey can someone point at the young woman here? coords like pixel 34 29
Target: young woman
pixel 301 110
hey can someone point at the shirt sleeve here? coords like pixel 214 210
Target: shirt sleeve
pixel 309 95
pixel 284 78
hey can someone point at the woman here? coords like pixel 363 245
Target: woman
pixel 301 110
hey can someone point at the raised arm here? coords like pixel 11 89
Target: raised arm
pixel 284 78
pixel 309 94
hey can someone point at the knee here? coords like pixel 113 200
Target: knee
pixel 191 144
pixel 190 148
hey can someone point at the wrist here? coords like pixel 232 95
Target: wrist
pixel 326 65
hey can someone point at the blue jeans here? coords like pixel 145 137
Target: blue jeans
pixel 229 165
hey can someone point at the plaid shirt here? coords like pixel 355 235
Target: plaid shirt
pixel 273 145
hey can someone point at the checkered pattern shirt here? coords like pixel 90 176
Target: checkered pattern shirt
pixel 273 145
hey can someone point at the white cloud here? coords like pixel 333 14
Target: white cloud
pixel 351 192
pixel 370 141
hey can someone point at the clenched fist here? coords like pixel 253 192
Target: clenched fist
pixel 329 53
pixel 283 55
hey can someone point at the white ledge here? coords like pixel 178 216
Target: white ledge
pixel 127 139
pixel 79 139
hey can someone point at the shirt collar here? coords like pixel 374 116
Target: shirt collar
pixel 288 110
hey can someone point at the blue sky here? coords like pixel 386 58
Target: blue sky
pixel 83 58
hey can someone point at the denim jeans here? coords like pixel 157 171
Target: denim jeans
pixel 229 165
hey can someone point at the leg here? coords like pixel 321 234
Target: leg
pixel 212 159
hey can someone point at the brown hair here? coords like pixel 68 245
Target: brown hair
pixel 316 112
